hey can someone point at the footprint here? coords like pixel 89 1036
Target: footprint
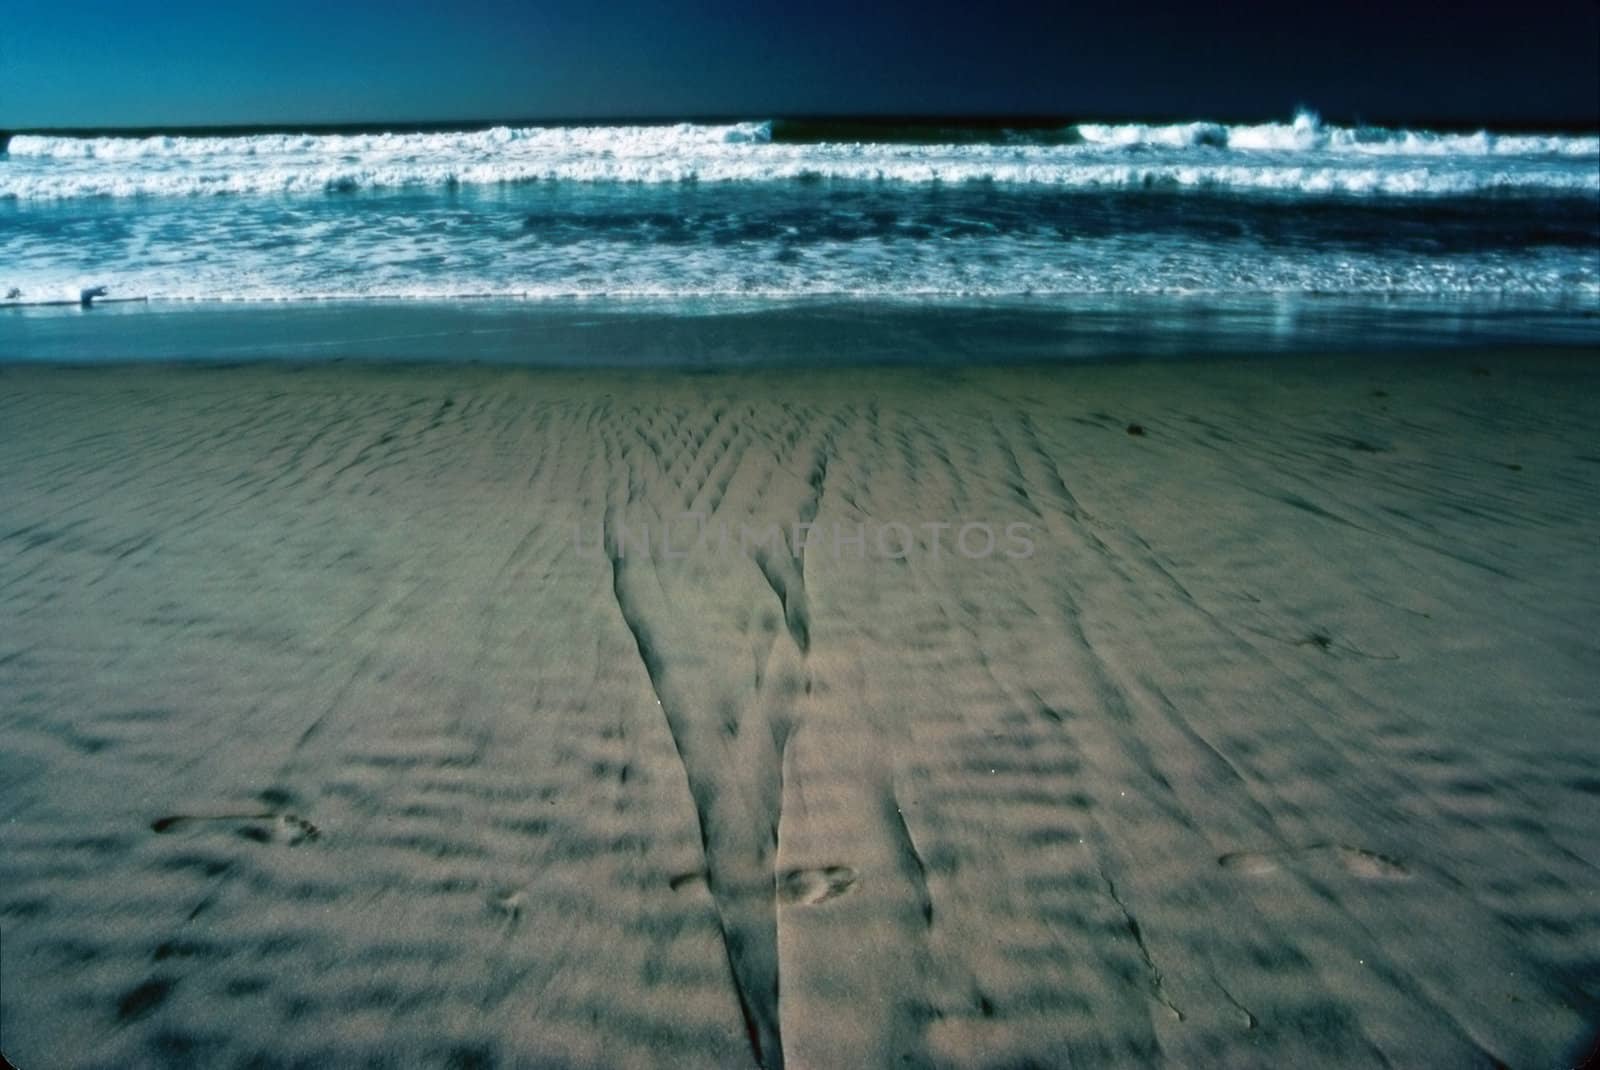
pixel 1250 863
pixel 282 828
pixel 265 828
pixel 811 886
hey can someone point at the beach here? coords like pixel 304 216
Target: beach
pixel 1207 713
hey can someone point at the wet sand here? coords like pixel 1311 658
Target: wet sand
pixel 343 724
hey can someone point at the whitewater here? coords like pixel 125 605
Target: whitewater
pixel 776 209
pixel 1303 156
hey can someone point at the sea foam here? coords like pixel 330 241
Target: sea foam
pixel 1301 157
pixel 776 210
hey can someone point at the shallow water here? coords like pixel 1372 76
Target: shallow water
pixel 727 333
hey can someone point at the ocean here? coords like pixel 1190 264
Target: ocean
pixel 1188 218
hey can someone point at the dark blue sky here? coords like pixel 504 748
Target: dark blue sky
pixel 172 62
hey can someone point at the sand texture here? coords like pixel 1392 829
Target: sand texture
pixel 340 726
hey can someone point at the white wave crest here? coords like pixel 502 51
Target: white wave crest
pixel 1302 157
pixel 1307 133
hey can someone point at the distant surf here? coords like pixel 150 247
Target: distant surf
pixel 1300 157
pixel 803 208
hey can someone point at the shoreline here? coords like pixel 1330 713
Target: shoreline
pixel 760 333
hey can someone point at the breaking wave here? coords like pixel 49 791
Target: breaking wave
pixel 1303 157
